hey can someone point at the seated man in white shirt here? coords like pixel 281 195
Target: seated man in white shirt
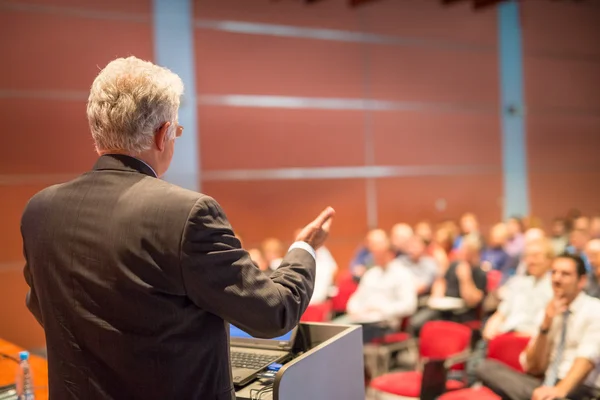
pixel 563 359
pixel 387 291
pixel 526 295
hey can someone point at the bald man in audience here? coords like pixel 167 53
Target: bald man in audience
pixel 592 251
pixel 387 291
pixel 273 251
pixel 531 235
pixel 526 296
pixel 423 267
pixel 258 258
pixel 400 236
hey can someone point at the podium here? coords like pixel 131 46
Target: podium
pixel 329 366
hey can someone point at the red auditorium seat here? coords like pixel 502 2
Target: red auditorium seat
pixel 346 287
pixel 494 277
pixel 317 312
pixel 481 393
pixel 440 341
pixel 504 348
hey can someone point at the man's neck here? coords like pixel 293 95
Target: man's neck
pixel 141 156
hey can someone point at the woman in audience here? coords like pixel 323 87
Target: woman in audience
pixel 469 225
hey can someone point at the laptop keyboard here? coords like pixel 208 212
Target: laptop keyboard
pixel 240 359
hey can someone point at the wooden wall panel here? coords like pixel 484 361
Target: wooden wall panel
pixel 437 198
pixel 420 74
pixel 555 193
pixel 431 20
pixel 50 136
pixel 61 52
pixel 562 86
pixel 261 209
pixel 231 63
pixel 250 138
pixel 14 198
pixel 420 138
pixel 138 7
pixel 569 84
pixel 332 14
pixel 561 27
pixel 18 325
pixel 55 49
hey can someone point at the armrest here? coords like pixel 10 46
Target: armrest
pixel 456 359
pixel 405 344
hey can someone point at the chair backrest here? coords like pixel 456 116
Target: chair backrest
pixel 494 277
pixel 317 312
pixel 507 348
pixel 346 287
pixel 442 339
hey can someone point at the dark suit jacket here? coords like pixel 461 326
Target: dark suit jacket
pixel 133 279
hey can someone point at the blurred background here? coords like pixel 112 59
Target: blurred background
pixel 389 111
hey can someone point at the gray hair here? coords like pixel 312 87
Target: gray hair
pixel 129 100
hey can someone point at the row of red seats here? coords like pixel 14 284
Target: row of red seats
pixel 436 357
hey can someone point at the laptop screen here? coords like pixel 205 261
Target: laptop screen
pixel 235 332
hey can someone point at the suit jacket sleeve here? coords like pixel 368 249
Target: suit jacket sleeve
pixel 220 277
pixel 32 301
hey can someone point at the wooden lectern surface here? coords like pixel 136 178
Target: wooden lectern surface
pixel 8 369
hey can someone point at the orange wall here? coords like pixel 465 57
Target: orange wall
pixel 52 51
pixel 449 58
pixel 562 88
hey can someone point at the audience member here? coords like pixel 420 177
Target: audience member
pixel 325 275
pixel 577 242
pixel 273 252
pixel 422 266
pixel 468 226
pixel 592 252
pixel 441 247
pixel 515 240
pixel 531 235
pixel 400 235
pixel 526 296
pixel 424 230
pixel 464 280
pixel 362 260
pixel 523 300
pixel 494 257
pixel 565 349
pixel 386 293
pixel 581 223
pixel 559 235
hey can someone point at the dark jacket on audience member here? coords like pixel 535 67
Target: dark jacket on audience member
pixel 453 285
pixel 132 279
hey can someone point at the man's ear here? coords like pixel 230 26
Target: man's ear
pixel 160 138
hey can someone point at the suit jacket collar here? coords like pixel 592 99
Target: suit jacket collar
pixel 122 162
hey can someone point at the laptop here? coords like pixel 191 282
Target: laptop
pixel 250 355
